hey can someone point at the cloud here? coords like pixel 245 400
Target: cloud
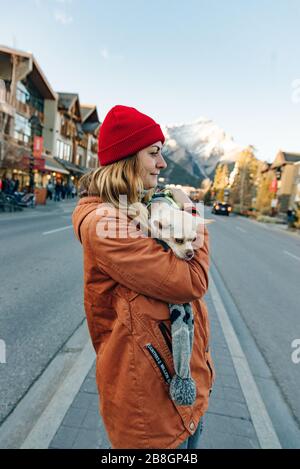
pixel 62 17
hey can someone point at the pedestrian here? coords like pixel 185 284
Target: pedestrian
pixel 63 191
pixel 14 185
pixel 128 283
pixel 291 217
pixel 57 191
pixel 7 185
pixel 50 189
pixel 74 192
pixel 68 190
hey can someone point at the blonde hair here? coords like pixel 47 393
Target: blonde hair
pixel 111 181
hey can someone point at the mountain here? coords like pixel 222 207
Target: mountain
pixel 193 150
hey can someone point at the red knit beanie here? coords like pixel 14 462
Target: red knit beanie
pixel 124 132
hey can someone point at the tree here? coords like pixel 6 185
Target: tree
pixel 220 181
pixel 244 186
pixel 264 195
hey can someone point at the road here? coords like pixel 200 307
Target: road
pixel 40 295
pixel 260 267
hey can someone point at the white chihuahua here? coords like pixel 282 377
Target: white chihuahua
pixel 176 227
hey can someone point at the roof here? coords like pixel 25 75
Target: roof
pixel 291 157
pixel 90 119
pixel 35 72
pixel 89 113
pixel 52 165
pixel 74 168
pixel 86 110
pixel 90 127
pixel 283 158
pixel 67 100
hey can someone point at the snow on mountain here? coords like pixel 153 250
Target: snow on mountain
pixel 199 146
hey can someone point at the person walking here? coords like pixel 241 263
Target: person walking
pixel 50 189
pixel 57 191
pixel 129 280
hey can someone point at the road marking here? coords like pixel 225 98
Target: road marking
pixel 292 255
pixel 241 229
pixel 266 434
pixel 58 229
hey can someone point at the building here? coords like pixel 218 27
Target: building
pixel 25 98
pixel 64 143
pixel 286 172
pixel 295 196
pixel 44 135
pixel 91 126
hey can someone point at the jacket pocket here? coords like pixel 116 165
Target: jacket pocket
pixel 159 363
pixel 166 335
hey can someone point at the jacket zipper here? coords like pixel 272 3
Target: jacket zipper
pixel 166 334
pixel 159 362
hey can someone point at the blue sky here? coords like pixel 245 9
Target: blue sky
pixel 235 61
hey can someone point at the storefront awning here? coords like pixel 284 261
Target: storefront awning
pixel 73 168
pixel 52 165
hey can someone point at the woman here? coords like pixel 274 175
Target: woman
pixel 129 279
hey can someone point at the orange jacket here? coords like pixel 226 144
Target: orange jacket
pixel 128 283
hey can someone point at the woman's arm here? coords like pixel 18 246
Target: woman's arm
pixel 142 265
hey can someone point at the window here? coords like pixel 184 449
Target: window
pixel 27 95
pixel 63 150
pixel 91 161
pixel 22 129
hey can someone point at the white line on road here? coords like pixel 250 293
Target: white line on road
pixel 266 434
pixel 292 255
pixel 58 229
pixel 241 229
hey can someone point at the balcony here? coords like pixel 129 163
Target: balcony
pixel 5 100
pixel 28 111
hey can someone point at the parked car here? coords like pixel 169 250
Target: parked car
pixel 221 208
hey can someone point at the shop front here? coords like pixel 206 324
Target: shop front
pixel 75 171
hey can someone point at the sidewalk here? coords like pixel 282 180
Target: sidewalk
pixel 50 207
pixel 227 423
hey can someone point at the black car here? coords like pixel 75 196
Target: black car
pixel 221 208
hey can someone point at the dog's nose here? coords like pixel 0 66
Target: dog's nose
pixel 189 254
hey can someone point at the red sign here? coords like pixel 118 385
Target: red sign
pixel 38 163
pixel 273 185
pixel 38 146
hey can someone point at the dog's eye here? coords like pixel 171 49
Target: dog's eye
pixel 179 241
pixel 195 239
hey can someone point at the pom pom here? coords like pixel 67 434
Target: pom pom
pixel 183 390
